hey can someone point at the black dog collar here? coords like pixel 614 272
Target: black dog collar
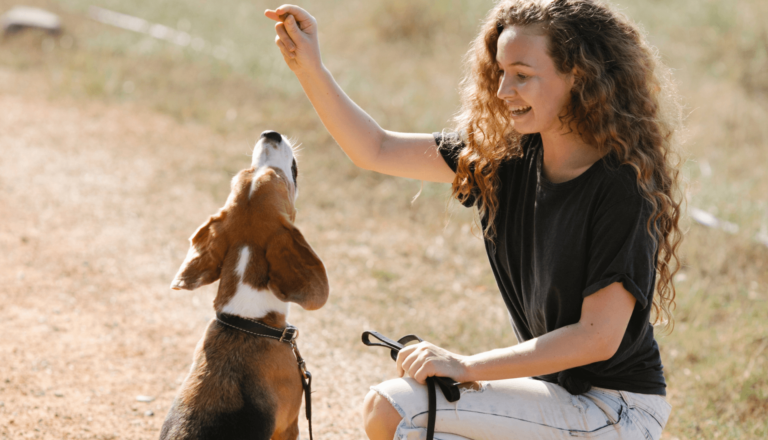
pixel 256 328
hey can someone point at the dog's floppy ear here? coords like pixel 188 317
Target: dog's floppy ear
pixel 296 273
pixel 207 248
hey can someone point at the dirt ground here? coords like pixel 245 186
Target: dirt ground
pixel 96 205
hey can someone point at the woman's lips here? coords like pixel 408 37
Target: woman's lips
pixel 519 110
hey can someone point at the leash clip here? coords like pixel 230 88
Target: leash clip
pixel 303 368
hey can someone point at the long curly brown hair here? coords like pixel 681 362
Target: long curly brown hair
pixel 623 102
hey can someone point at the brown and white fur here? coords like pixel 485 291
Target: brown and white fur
pixel 242 386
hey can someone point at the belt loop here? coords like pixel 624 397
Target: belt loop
pixel 627 398
pixel 612 414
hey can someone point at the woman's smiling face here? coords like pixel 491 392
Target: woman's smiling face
pixel 535 92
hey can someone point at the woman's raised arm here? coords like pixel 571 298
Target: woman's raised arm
pixel 369 146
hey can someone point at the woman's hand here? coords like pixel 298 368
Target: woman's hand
pixel 423 360
pixel 296 38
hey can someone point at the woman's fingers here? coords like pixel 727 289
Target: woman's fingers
pixel 272 15
pixel 303 19
pixel 292 28
pixel 423 360
pixel 287 54
pixel 412 358
pixel 297 38
pixel 412 362
pixel 423 372
pixel 402 356
pixel 420 365
pixel 301 15
pixel 284 38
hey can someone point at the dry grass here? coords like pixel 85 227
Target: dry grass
pixel 105 191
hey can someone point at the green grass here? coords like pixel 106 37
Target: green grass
pixel 401 61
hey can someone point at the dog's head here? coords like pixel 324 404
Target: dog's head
pixel 256 223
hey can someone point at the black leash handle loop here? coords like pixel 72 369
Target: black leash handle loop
pixel 448 386
pixel 394 346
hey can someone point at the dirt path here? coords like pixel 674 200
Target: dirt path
pixel 96 204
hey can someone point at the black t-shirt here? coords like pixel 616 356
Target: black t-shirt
pixel 557 243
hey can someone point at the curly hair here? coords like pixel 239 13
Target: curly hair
pixel 623 102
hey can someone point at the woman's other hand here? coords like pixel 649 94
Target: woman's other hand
pixel 424 360
pixel 296 38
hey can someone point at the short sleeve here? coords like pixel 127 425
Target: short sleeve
pixel 622 250
pixel 450 145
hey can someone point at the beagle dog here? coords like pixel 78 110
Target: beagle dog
pixel 243 386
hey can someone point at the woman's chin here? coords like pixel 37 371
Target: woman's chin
pixel 523 128
pixel 523 123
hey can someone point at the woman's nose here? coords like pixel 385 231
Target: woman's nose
pixel 506 89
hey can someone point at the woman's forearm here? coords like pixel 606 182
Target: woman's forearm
pixel 567 347
pixel 596 337
pixel 353 129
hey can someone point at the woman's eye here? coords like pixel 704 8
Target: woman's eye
pixel 522 76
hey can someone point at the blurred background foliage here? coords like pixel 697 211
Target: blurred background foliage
pixel 401 60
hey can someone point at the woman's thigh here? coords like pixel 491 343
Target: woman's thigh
pixel 526 409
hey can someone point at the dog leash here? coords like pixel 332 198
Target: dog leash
pixel 288 335
pixel 448 386
pixel 306 383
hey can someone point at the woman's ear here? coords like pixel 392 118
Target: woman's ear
pixel 207 249
pixel 296 273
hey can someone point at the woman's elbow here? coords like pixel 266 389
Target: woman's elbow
pixel 606 347
pixel 366 163
pixel 367 157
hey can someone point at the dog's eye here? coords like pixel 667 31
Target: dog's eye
pixel 295 172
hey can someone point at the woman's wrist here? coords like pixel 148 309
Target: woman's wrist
pixel 468 370
pixel 490 365
pixel 311 72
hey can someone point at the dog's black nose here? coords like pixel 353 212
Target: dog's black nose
pixel 272 136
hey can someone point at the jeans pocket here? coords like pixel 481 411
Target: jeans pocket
pixel 648 412
pixel 609 402
pixel 613 410
pixel 655 407
pixel 610 429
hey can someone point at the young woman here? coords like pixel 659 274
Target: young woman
pixel 564 144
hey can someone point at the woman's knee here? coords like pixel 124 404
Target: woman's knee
pixel 380 417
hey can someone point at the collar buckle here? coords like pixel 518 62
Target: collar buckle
pixel 289 334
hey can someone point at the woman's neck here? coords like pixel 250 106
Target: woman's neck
pixel 566 156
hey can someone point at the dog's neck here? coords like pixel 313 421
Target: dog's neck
pixel 286 178
pixel 249 302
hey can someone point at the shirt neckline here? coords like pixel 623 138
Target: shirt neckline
pixel 568 184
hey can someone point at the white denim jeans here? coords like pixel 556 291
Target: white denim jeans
pixel 526 409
